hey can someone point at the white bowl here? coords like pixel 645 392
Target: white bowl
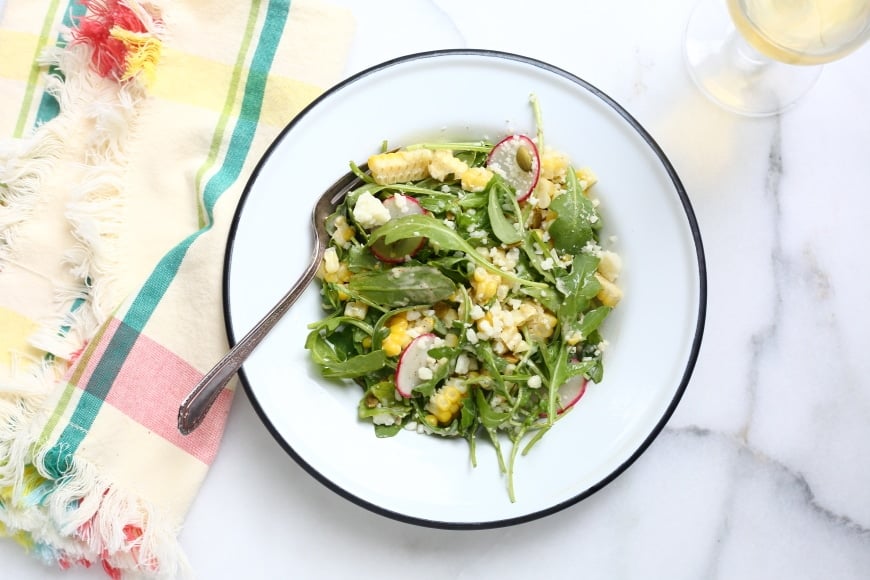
pixel 654 333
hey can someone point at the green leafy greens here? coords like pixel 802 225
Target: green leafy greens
pixel 512 291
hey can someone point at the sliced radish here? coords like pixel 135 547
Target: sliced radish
pixel 413 359
pixel 399 251
pixel 571 391
pixel 516 159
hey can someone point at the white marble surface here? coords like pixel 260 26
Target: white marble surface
pixel 763 470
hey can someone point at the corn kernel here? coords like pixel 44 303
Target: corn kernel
pixel 356 310
pixel 330 261
pixel 554 165
pixel 610 294
pixel 400 166
pixel 476 179
pixel 544 193
pixel 541 324
pixel 573 338
pixel 586 178
pixel 452 395
pixel 485 284
pixel 398 338
pixel 444 164
pixel 445 403
pixel 610 265
pixel 343 233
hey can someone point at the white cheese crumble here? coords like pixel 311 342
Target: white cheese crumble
pixel 369 212
pixel 383 419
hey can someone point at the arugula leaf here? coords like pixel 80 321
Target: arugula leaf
pixel 502 227
pixel 402 286
pixel 592 319
pixel 578 286
pixel 555 357
pixel 415 226
pixel 575 214
pixel 356 366
pixel 489 418
pixel 321 351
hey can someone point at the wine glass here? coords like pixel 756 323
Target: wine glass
pixel 758 57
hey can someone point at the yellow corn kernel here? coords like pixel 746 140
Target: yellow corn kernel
pixel 554 165
pixel 444 163
pixel 573 338
pixel 610 294
pixel 523 312
pixel 610 265
pixel 367 342
pixel 586 178
pixel 475 179
pixel 446 313
pixel 398 338
pixel 356 310
pixel 485 326
pixel 485 284
pixel 343 233
pixel 400 166
pixel 339 276
pixel 541 324
pixel 445 403
pixel 544 193
pixel 330 261
pixel 432 420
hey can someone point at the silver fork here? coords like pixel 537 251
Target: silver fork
pixel 198 402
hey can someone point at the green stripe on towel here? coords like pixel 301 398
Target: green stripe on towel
pixel 150 295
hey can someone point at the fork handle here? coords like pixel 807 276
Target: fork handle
pixel 197 404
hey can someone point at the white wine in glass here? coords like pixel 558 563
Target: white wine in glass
pixel 758 57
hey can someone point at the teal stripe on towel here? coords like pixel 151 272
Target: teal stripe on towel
pixel 150 295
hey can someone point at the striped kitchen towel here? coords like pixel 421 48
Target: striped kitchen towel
pixel 128 129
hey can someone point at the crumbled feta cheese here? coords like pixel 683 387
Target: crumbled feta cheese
pixel 592 249
pixel 424 373
pixel 369 212
pixel 462 364
pixel 383 419
pixel 547 264
pixel 534 382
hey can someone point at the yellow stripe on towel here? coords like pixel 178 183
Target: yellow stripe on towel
pixel 15 50
pixel 14 331
pixel 190 79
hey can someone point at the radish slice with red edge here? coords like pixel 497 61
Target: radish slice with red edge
pixel 571 391
pixel 399 251
pixel 413 358
pixel 516 159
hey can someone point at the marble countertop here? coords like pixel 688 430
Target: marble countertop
pixel 762 472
